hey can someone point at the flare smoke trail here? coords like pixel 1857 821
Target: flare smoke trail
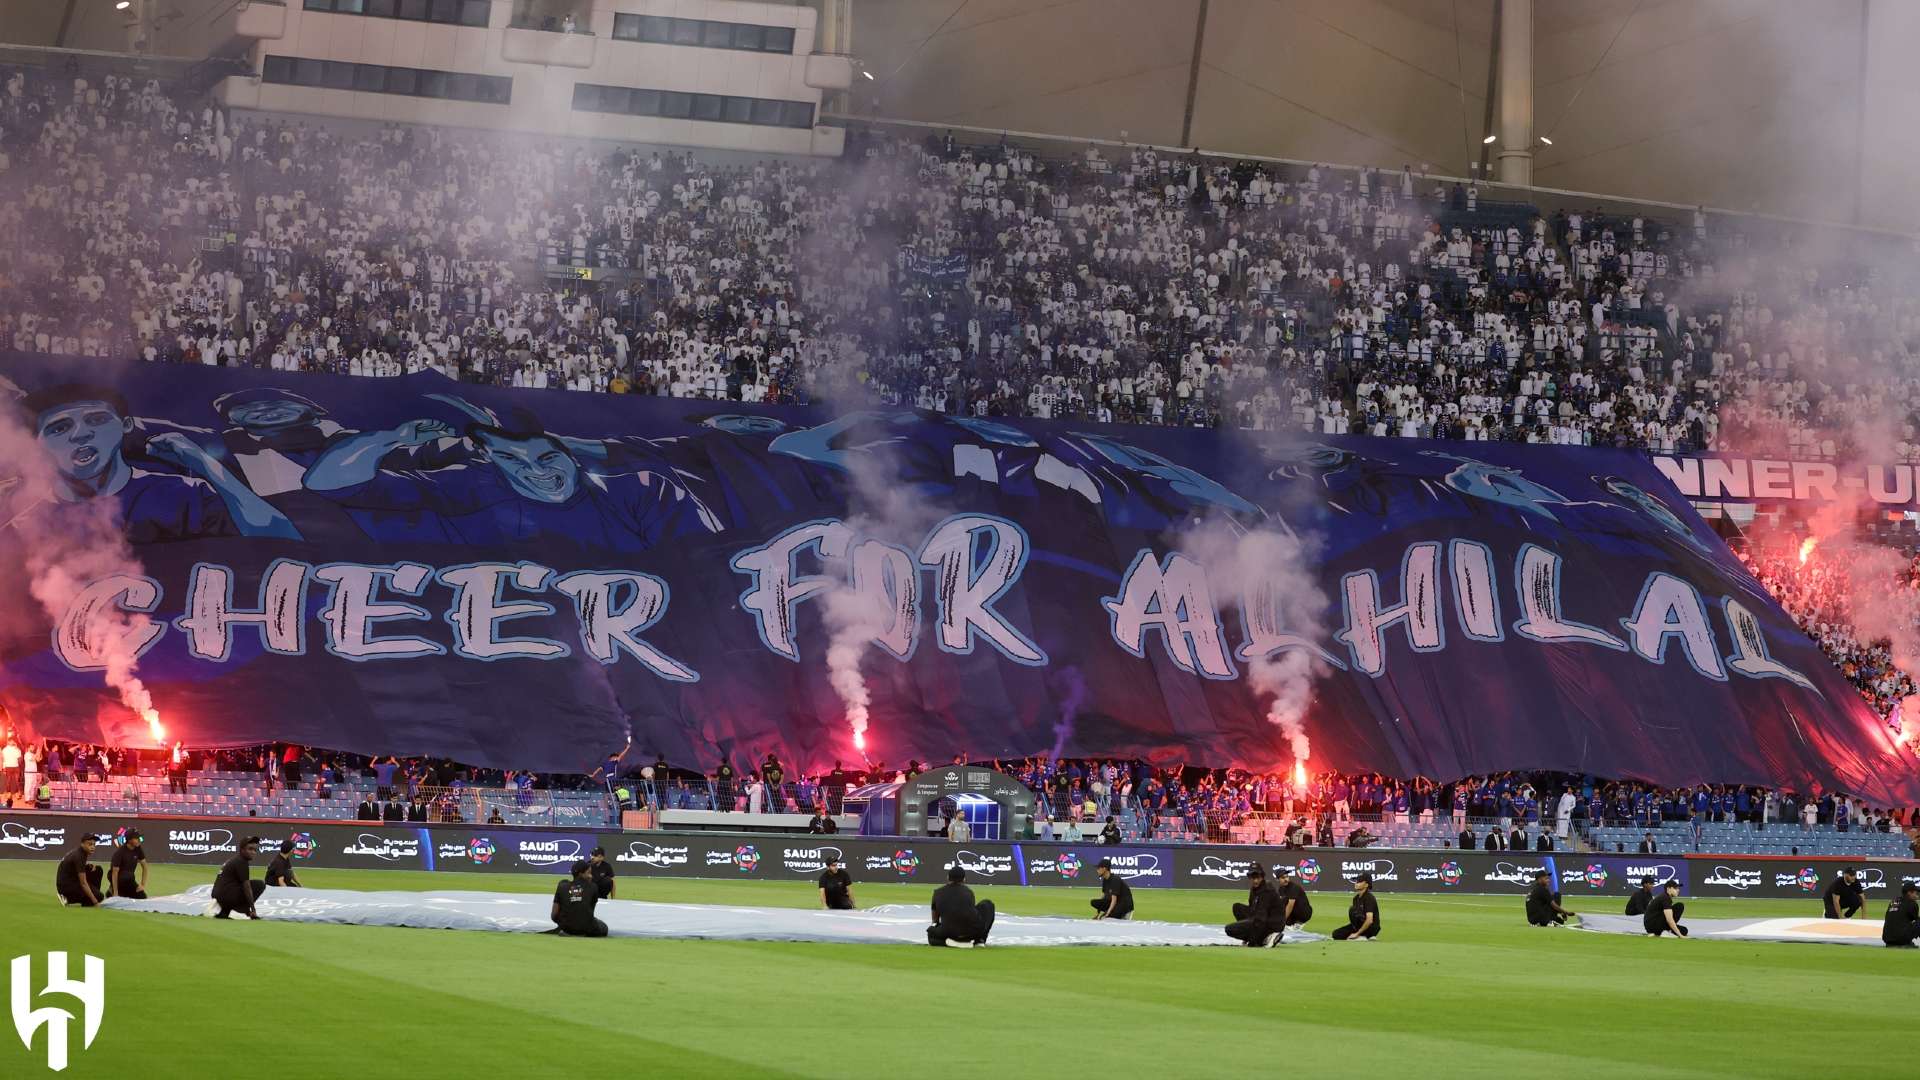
pixel 64 545
pixel 1072 700
pixel 1267 573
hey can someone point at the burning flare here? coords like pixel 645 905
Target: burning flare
pixel 1300 775
pixel 159 733
pixel 1806 548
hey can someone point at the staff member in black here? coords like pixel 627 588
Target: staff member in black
pixel 1543 904
pixel 821 823
pixel 1363 915
pixel 1295 908
pixel 1902 928
pixel 280 868
pixel 1663 916
pixel 234 889
pixel 1257 922
pixel 1116 896
pixel 76 878
pixel 958 921
pixel 836 886
pixel 1844 895
pixel 128 871
pixel 1641 898
pixel 573 902
pixel 602 872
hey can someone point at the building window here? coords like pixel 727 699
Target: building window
pixel 379 79
pixel 449 12
pixel 703 33
pixel 674 105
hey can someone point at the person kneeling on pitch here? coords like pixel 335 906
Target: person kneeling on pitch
pixel 1902 928
pixel 1663 915
pixel 280 868
pixel 1363 915
pixel 76 879
pixel 957 920
pixel 1642 897
pixel 1116 896
pixel 128 870
pixel 1257 922
pixel 235 890
pixel 1543 904
pixel 836 886
pixel 1844 896
pixel 1295 908
pixel 573 903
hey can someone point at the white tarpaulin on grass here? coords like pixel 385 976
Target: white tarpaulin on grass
pixel 527 913
pixel 1816 930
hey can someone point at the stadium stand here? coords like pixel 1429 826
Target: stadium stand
pixel 985 279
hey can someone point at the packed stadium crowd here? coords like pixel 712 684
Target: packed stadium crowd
pixel 1129 286
pixel 1816 590
pixel 1076 796
pixel 1132 286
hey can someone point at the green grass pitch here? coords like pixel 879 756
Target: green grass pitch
pixel 1458 986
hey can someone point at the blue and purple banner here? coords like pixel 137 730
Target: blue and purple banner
pixel 526 579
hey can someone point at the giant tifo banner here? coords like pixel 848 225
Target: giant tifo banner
pixel 530 579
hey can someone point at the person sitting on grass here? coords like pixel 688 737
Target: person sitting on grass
pixel 76 878
pixel 1901 930
pixel 573 903
pixel 1363 915
pixel 1256 923
pixel 1543 904
pixel 1663 916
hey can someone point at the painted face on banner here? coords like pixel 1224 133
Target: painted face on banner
pixel 82 438
pixel 261 417
pixel 537 468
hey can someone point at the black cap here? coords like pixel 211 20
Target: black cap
pixel 833 860
pixel 581 866
pixel 1910 886
pixel 1849 871
pixel 1647 881
pixel 1541 874
pixel 133 835
pixel 600 851
pixel 956 874
pixel 1256 870
pixel 1366 877
pixel 1103 864
pixel 1673 883
pixel 1282 869
pixel 286 847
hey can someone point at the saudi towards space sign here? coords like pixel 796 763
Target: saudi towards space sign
pixel 529 578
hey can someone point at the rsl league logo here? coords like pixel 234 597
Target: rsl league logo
pixel 1308 870
pixel 303 845
pixel 1596 876
pixel 1808 879
pixel 745 858
pixel 1069 864
pixel 1450 873
pixel 905 862
pixel 480 850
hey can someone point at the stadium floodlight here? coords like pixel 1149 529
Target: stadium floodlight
pixel 1489 138
pixel 1546 141
pixel 123 5
pixel 868 75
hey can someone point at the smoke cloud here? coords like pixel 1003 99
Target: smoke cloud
pixel 64 543
pixel 1267 573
